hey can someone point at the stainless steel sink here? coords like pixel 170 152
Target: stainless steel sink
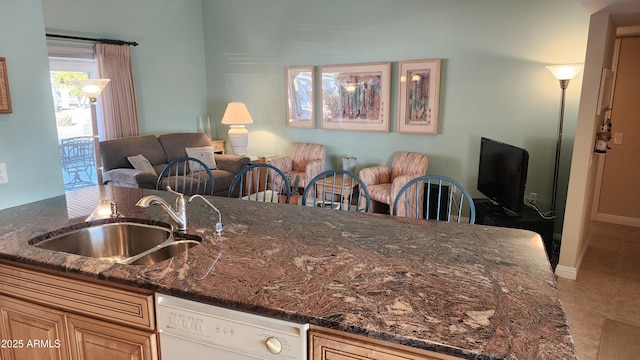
pixel 164 252
pixel 118 241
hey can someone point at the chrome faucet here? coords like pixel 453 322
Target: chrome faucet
pixel 179 215
pixel 219 223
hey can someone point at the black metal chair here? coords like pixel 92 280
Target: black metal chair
pixel 261 182
pixel 186 175
pixel 337 189
pixel 77 158
pixel 435 197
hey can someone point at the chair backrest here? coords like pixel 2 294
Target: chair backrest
pixel 305 152
pixel 409 163
pixel 77 152
pixel 260 182
pixel 186 175
pixel 337 189
pixel 435 197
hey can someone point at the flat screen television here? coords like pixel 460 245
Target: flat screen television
pixel 502 174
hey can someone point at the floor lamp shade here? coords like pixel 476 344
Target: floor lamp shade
pixel 91 88
pixel 237 116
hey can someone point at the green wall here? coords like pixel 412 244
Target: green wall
pixel 493 84
pixel 28 139
pixel 195 56
pixel 169 69
pixel 169 62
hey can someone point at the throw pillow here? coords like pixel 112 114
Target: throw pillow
pixel 139 162
pixel 204 154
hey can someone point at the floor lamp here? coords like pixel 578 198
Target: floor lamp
pixel 237 116
pixel 91 88
pixel 563 73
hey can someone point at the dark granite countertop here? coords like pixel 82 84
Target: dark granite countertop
pixel 472 291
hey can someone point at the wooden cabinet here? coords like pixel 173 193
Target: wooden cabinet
pixel 218 146
pixel 30 331
pixel 325 344
pixel 53 317
pixel 96 339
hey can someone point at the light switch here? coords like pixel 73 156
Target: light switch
pixel 617 138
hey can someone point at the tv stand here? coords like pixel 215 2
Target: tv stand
pixel 488 213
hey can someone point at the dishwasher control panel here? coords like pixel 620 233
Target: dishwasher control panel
pixel 258 337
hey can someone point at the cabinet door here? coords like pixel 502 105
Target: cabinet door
pixel 95 339
pixel 30 331
pixel 343 346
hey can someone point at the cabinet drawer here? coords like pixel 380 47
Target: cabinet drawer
pixel 96 300
pixel 325 344
pixel 218 146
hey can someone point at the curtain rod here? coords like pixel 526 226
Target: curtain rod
pixel 102 41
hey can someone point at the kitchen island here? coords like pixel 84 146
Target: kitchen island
pixel 471 291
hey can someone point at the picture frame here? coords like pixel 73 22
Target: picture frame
pixel 605 95
pixel 418 96
pixel 5 97
pixel 356 97
pixel 301 95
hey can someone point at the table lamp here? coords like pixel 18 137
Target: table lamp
pixel 237 116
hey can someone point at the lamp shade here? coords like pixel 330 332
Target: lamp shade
pixel 565 72
pixel 236 114
pixel 91 87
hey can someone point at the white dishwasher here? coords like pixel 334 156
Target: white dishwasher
pixel 192 330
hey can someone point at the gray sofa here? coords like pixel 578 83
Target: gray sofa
pixel 160 150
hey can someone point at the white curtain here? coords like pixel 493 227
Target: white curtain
pixel 119 101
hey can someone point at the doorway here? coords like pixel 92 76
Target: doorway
pixel 617 195
pixel 73 119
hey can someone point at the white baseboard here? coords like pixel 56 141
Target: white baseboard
pixel 566 272
pixel 616 219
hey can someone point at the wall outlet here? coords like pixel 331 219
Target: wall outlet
pixel 533 197
pixel 4 178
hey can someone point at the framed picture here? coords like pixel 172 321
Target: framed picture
pixel 5 98
pixel 301 105
pixel 356 97
pixel 419 96
pixel 605 95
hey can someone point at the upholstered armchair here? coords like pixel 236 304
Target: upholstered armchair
pixel 384 183
pixel 307 161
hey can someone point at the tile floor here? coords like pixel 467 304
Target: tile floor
pixel 608 285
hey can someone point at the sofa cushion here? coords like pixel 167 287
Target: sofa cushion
pixel 130 178
pixel 114 153
pixel 174 144
pixel 204 154
pixel 184 184
pixel 141 163
pixel 222 181
pixel 232 163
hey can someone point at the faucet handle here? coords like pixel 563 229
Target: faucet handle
pixel 180 202
pixel 174 192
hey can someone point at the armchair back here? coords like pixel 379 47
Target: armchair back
pixel 408 163
pixel 307 161
pixel 303 153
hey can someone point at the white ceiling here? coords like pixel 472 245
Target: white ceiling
pixel 612 6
